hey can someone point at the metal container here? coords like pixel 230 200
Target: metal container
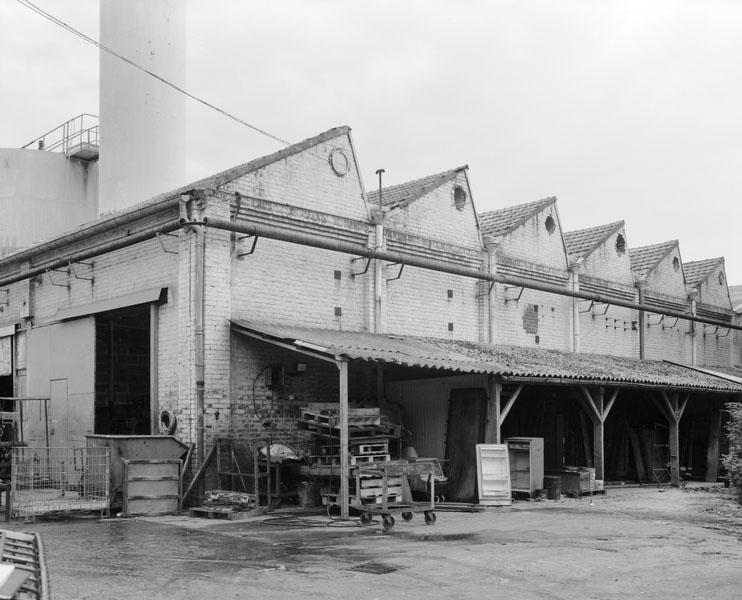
pixel 134 447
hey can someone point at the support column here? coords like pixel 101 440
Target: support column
pixel 673 410
pixel 492 431
pixel 344 456
pixel 598 410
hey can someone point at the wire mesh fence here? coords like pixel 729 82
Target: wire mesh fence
pixel 46 480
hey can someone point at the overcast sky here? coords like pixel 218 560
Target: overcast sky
pixel 623 110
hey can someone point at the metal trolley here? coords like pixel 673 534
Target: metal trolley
pixel 395 497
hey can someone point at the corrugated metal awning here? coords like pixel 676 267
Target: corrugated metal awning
pixel 512 363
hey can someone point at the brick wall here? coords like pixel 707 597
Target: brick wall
pixel 606 262
pixel 427 303
pixel 532 241
pixel 307 180
pixel 436 216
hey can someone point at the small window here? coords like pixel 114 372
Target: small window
pixel 550 224
pixel 459 198
pixel 675 263
pixel 620 245
pixel 721 278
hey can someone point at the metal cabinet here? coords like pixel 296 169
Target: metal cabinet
pixel 526 464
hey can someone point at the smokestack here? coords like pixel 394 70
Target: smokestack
pixel 142 120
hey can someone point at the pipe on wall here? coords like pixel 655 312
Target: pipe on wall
pixel 315 241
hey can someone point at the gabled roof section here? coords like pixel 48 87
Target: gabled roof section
pixel 582 243
pixel 397 196
pixel 501 222
pixel 645 258
pixel 218 180
pixel 697 271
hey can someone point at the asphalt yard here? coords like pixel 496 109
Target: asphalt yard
pixel 631 543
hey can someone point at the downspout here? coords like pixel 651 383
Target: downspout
pixel 378 265
pixel 193 219
pixel 640 285
pixel 574 273
pixel 491 247
pixel 198 328
pixel 693 302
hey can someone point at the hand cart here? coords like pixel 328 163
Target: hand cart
pixel 401 499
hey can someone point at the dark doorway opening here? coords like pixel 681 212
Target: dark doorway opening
pixel 122 372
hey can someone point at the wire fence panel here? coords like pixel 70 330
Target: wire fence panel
pixel 46 480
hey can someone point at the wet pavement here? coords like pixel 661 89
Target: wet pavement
pixel 633 543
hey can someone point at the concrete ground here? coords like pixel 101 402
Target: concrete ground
pixel 631 543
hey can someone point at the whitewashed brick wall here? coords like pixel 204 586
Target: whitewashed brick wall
pixel 436 216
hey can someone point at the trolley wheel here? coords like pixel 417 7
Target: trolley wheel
pixel 407 516
pixel 366 518
pixel 430 517
pixel 388 522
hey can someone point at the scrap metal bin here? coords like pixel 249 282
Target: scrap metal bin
pixel 134 447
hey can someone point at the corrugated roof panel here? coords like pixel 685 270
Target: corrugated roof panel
pixel 472 357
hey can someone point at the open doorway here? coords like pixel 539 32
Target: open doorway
pixel 122 372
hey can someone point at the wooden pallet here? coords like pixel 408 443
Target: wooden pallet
pixel 363 501
pixel 224 512
pixel 369 458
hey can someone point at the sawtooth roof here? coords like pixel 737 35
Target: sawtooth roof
pixel 471 357
pixel 500 222
pixel 697 271
pixel 405 193
pixel 645 258
pixel 582 243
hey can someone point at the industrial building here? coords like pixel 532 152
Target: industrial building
pixel 222 309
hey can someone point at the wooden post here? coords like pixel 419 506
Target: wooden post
pixel 598 432
pixel 492 429
pixel 712 453
pixel 344 458
pixel 598 410
pixel 673 413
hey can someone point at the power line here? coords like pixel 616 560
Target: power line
pixel 66 26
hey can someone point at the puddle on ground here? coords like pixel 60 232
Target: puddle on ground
pixel 440 537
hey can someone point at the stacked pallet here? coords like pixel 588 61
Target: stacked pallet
pixel 369 443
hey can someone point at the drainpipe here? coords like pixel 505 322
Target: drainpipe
pixel 193 220
pixel 574 275
pixel 693 302
pixel 491 246
pixel 378 266
pixel 641 285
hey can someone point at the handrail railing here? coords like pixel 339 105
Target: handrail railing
pixel 80 130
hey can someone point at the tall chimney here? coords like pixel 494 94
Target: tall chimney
pixel 142 120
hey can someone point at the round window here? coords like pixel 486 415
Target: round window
pixel 675 263
pixel 550 224
pixel 339 162
pixel 459 198
pixel 620 245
